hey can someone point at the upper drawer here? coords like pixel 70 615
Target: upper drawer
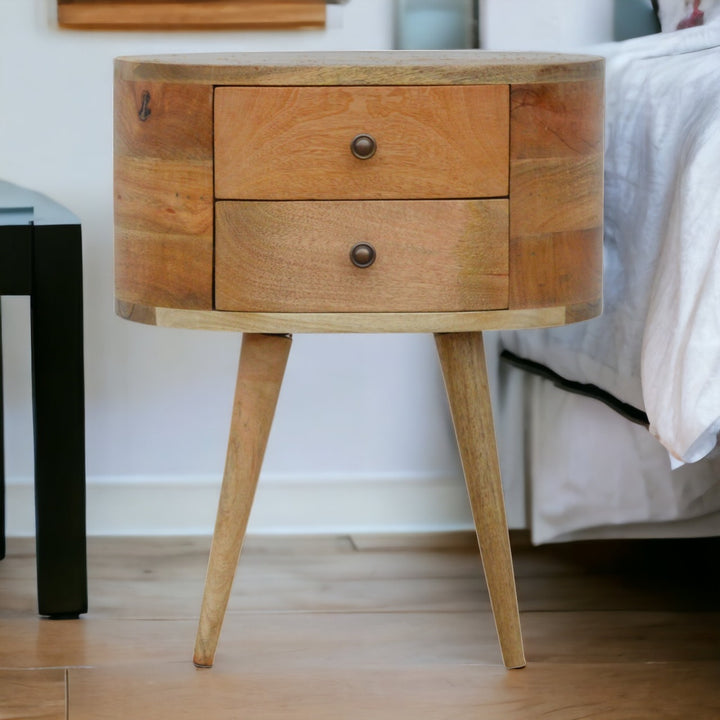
pixel 294 143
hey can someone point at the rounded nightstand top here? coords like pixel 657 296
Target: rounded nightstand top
pixel 388 67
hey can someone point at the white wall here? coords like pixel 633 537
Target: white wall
pixel 546 25
pixel 362 438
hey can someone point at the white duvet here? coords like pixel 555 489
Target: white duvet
pixel 657 344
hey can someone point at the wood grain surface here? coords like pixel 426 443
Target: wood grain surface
pixel 350 322
pixel 397 67
pixel 462 358
pixel 32 694
pixel 260 372
pixel 163 194
pixel 437 141
pixel 394 626
pixel 190 14
pixel 561 692
pixel 556 195
pixel 293 143
pixel 432 256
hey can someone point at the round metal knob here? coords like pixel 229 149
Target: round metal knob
pixel 362 255
pixel 363 146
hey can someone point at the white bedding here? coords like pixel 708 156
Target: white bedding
pixel 657 344
pixel 590 473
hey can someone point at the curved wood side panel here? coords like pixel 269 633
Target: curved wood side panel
pixel 163 194
pixel 556 196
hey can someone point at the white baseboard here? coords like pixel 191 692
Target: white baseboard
pixel 160 505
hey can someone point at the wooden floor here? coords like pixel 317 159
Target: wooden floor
pixel 370 628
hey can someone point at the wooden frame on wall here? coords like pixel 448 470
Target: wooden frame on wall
pixel 190 14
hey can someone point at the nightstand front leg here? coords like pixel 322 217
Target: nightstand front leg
pixel 262 365
pixel 462 357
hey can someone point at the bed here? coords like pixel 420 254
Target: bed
pixel 609 428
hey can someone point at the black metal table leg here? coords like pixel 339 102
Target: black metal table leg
pixel 2 454
pixel 41 256
pixel 59 418
pixel 15 272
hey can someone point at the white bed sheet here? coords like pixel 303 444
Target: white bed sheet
pixel 574 469
pixel 657 345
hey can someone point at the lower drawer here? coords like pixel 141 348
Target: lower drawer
pixel 430 256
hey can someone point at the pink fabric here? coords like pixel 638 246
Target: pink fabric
pixel 696 17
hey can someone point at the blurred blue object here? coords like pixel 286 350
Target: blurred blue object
pixel 435 24
pixel 634 18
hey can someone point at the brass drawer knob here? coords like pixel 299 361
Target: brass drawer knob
pixel 363 146
pixel 362 255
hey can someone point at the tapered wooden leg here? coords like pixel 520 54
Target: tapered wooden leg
pixel 262 365
pixel 462 358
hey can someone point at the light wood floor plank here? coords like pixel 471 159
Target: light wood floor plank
pixel 396 628
pixel 32 694
pixel 154 579
pixel 566 692
pixel 252 593
pixel 297 640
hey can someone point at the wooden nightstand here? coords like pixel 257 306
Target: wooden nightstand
pixel 272 194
